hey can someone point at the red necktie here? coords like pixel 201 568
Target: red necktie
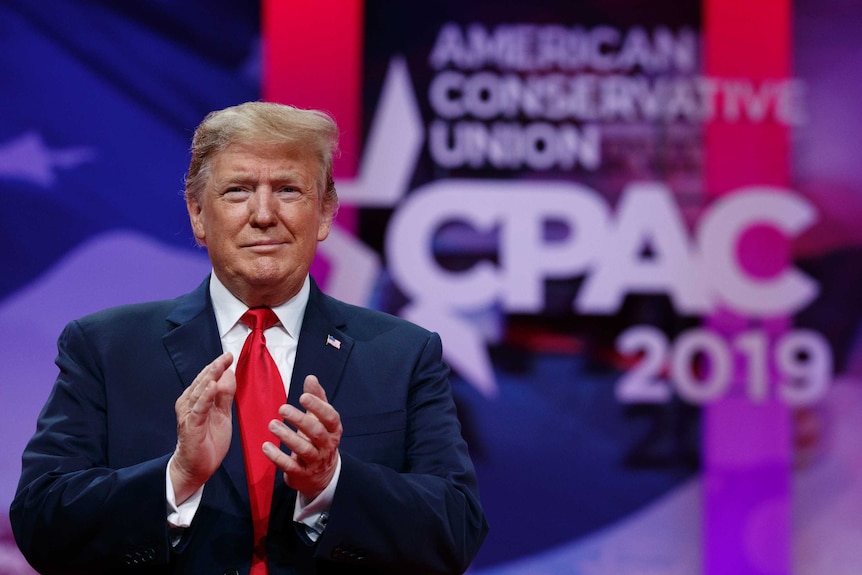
pixel 259 394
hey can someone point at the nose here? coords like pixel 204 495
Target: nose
pixel 262 208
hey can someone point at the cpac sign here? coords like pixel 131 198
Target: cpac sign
pixel 699 272
pixel 642 245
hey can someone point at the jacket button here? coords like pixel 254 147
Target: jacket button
pixel 232 571
pixel 348 554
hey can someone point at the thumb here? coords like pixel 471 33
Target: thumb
pixel 226 390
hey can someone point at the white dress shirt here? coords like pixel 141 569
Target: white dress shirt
pixel 281 341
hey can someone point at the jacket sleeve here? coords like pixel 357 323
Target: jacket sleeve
pixel 424 517
pixel 72 511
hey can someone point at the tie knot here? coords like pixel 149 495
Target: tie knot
pixel 261 318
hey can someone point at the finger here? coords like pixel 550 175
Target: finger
pixel 204 401
pixel 225 391
pixel 300 453
pixel 281 459
pixel 312 385
pixel 212 372
pixel 220 365
pixel 199 396
pixel 295 441
pixel 296 417
pixel 308 425
pixel 315 401
pixel 322 411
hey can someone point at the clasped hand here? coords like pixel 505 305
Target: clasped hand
pixel 313 445
pixel 204 431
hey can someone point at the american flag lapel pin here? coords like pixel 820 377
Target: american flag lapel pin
pixel 333 342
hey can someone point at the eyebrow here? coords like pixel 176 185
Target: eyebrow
pixel 249 176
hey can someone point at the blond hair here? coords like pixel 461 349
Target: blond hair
pixel 267 123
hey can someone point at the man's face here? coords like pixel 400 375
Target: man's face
pixel 260 218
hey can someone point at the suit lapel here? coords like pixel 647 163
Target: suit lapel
pixel 193 340
pixel 323 347
pixel 192 344
pixel 315 355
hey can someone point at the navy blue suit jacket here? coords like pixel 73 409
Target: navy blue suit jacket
pixel 91 498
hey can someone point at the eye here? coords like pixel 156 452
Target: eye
pixel 289 191
pixel 235 193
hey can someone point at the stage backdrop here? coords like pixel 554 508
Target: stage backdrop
pixel 635 226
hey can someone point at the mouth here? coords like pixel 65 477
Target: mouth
pixel 264 246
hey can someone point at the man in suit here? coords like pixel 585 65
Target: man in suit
pixel 137 465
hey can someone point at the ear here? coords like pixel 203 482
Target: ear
pixel 196 217
pixel 327 213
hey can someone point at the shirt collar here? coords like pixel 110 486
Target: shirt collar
pixel 228 308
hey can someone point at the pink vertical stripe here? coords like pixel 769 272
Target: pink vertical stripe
pixel 313 59
pixel 747 446
pixel 312 52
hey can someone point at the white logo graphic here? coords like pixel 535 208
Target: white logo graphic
pixel 700 272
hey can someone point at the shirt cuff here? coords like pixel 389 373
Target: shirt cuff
pixel 180 515
pixel 314 514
